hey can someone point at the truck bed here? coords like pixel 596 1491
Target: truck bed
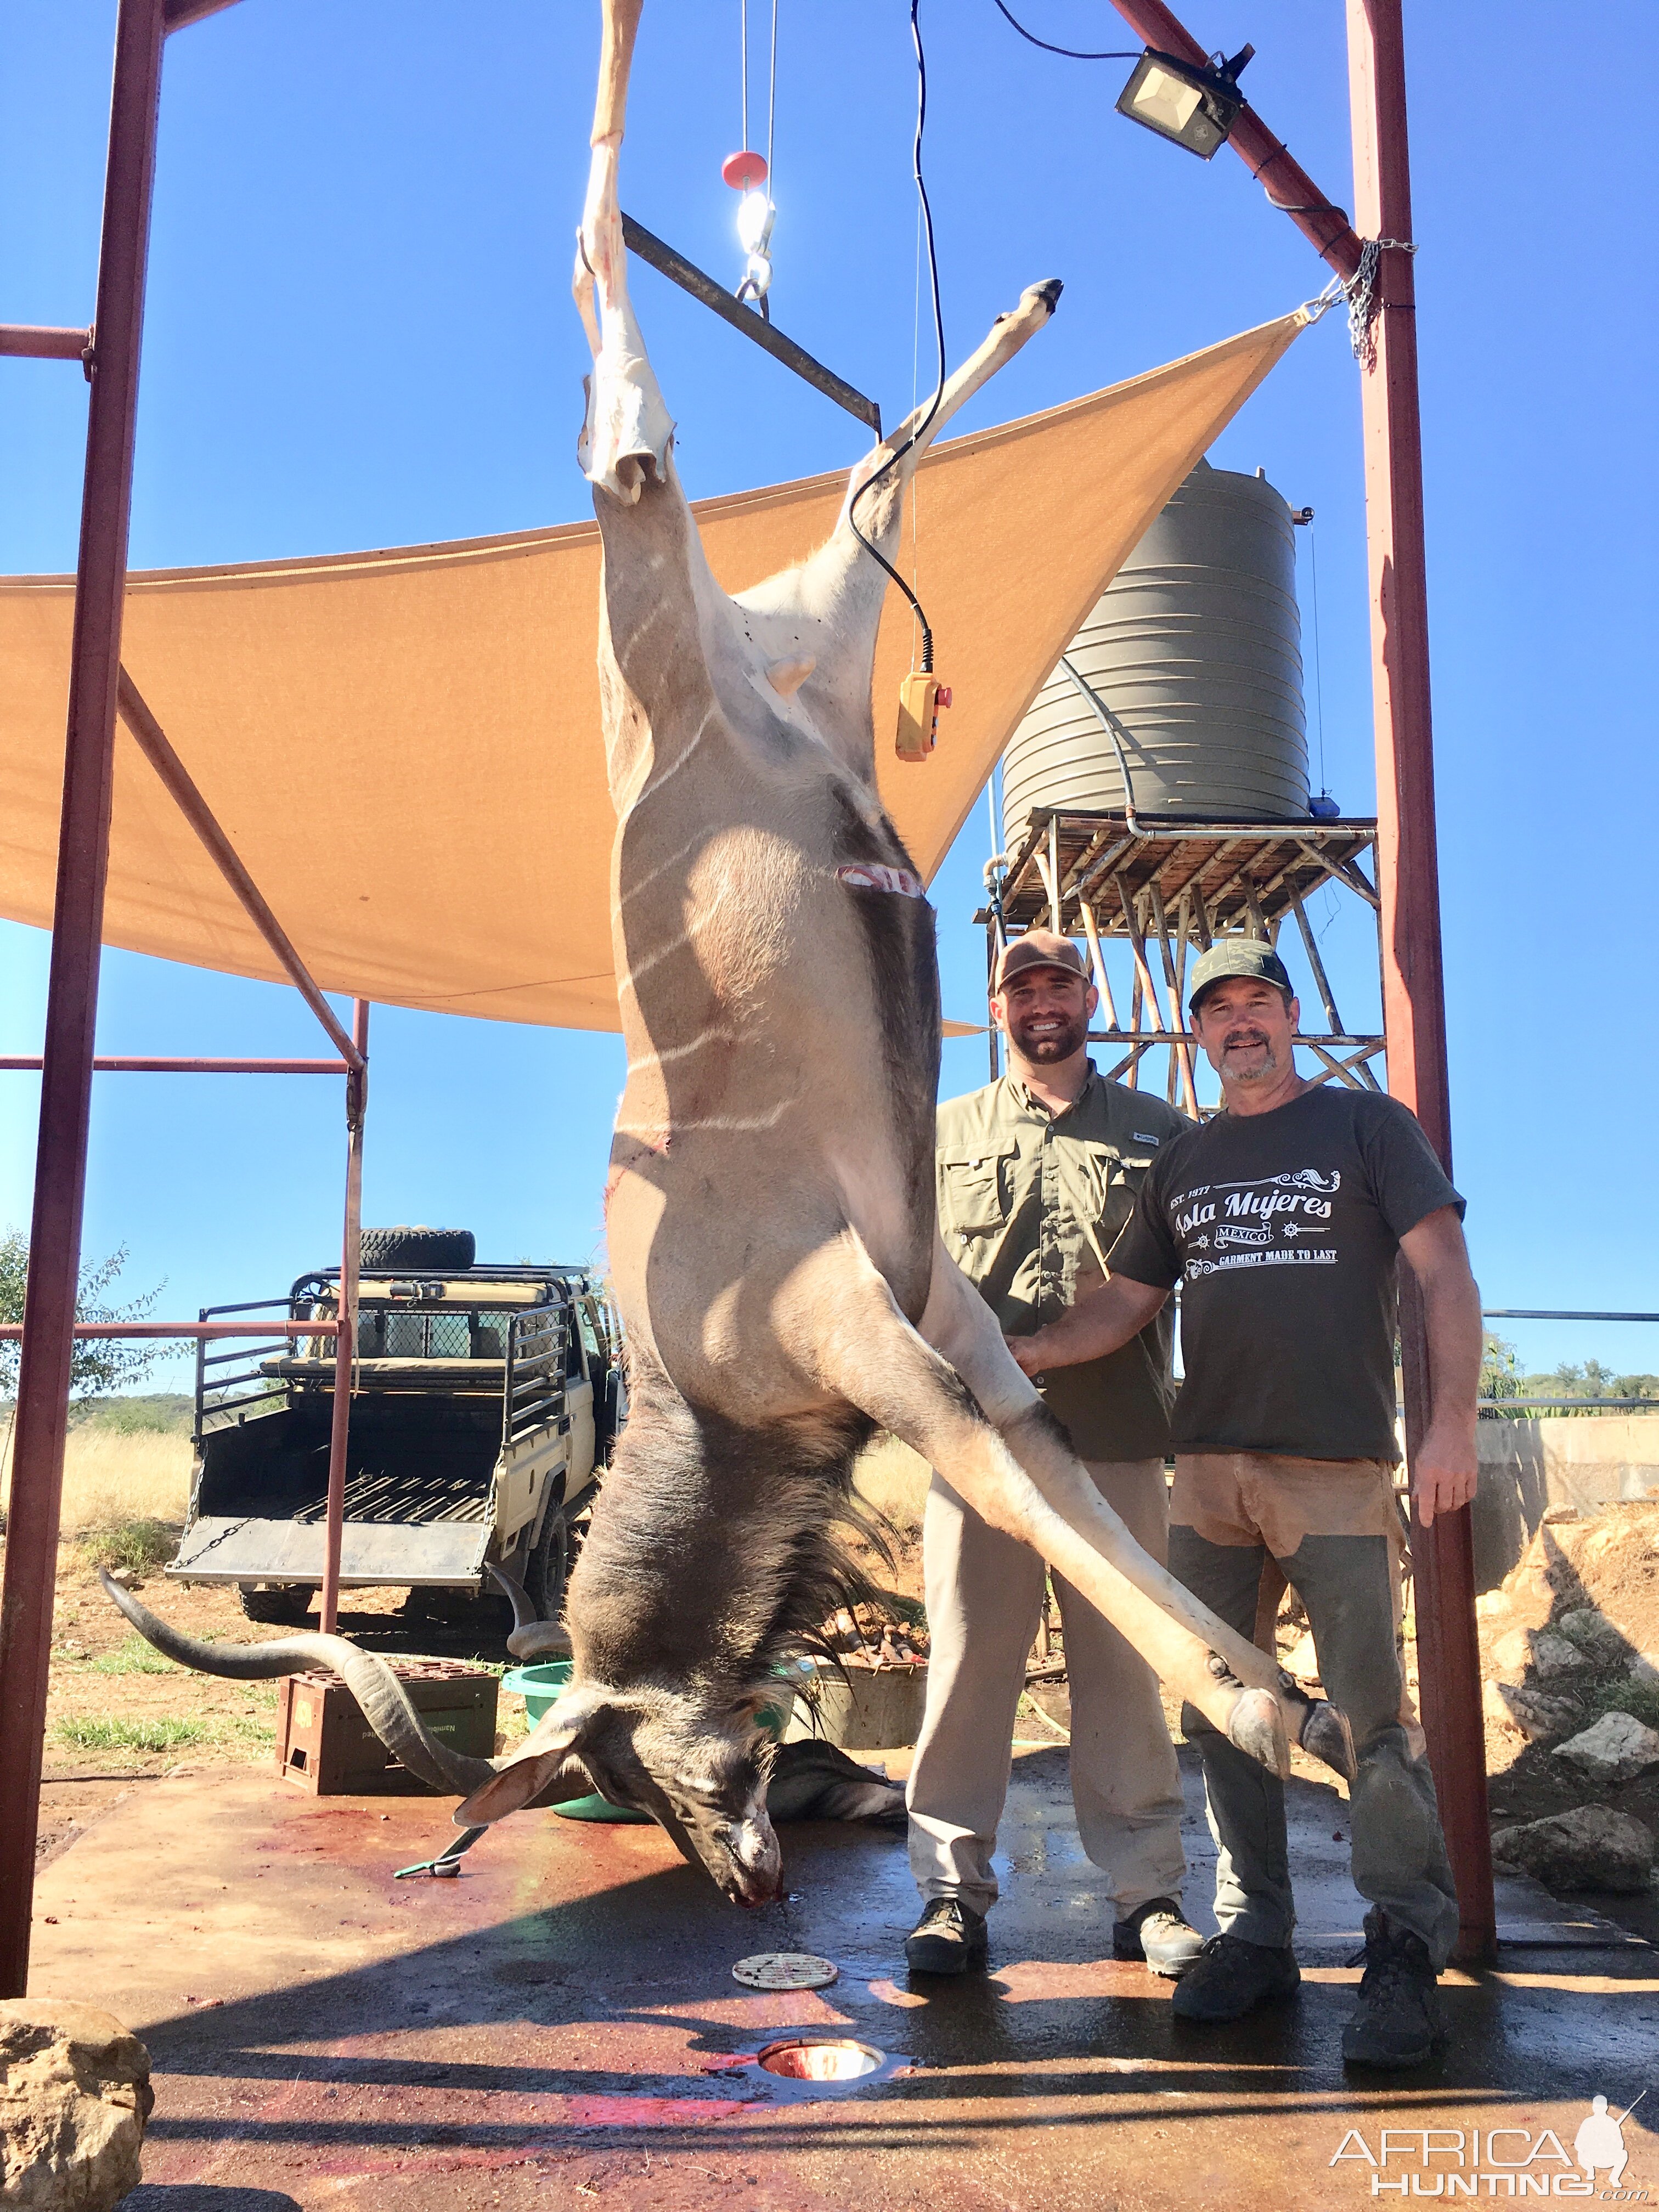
pixel 417 1497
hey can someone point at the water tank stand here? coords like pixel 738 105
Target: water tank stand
pixel 1168 889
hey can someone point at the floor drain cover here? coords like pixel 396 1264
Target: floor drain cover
pixel 785 1970
pixel 836 2058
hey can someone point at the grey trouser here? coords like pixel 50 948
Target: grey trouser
pixel 1333 1528
pixel 984 1600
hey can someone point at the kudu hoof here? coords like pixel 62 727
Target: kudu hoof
pixel 1322 1730
pixel 1256 1727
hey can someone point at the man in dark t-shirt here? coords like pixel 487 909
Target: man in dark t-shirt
pixel 1283 1219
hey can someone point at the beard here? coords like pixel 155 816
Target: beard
pixel 1246 1055
pixel 1052 1046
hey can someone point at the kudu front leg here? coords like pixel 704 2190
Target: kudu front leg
pixel 868 1352
pixel 959 1324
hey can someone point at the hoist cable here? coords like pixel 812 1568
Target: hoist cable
pixel 743 68
pixel 922 428
pixel 772 96
pixel 1318 671
pixel 1071 53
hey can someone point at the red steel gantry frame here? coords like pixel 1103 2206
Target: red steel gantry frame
pixel 100 689
pixel 1413 1003
pixel 1413 1009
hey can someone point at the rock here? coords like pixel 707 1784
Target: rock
pixel 1557 1517
pixel 1612 1748
pixel 1553 1655
pixel 1590 1848
pixel 1538 1716
pixel 126 1578
pixel 75 2095
pixel 1644 1670
pixel 1512 1653
pixel 1595 1635
pixel 1302 1660
pixel 1494 1705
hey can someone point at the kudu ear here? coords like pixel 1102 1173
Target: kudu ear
pixel 556 1737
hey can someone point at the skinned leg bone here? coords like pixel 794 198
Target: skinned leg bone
pixel 626 436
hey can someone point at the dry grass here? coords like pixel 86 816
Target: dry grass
pixel 112 1481
pixel 894 1479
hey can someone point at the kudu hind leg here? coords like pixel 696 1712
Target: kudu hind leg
pixel 626 436
pixel 883 1367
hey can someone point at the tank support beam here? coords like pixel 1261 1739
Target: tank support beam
pixel 1165 886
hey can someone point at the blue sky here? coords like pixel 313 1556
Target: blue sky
pixel 360 334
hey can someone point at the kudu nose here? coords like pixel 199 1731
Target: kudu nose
pixel 757 1862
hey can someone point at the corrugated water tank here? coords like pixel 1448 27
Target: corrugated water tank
pixel 1196 648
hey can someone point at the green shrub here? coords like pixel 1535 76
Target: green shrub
pixel 1639 1700
pixel 140 1544
pixel 89 1732
pixel 143 1417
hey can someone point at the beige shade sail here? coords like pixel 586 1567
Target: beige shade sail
pixel 404 746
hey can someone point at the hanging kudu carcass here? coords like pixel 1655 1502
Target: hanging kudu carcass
pixel 770 1211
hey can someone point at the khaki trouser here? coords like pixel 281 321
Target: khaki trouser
pixel 984 1600
pixel 1334 1530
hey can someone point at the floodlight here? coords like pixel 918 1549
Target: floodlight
pixel 1194 106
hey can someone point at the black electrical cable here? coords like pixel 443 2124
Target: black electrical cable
pixel 1071 53
pixel 921 429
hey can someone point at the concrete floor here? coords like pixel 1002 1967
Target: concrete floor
pixel 561 2023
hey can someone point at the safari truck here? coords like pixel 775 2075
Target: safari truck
pixel 485 1402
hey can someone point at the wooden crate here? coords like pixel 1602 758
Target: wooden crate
pixel 324 1746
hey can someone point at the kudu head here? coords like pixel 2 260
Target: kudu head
pixel 694 1760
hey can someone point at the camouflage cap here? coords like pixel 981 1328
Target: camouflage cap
pixel 1038 948
pixel 1238 955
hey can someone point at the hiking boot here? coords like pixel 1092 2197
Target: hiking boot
pixel 1230 1976
pixel 1397 2021
pixel 948 1939
pixel 1156 1932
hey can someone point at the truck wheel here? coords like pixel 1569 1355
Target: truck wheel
pixel 287 1605
pixel 419 1248
pixel 549 1562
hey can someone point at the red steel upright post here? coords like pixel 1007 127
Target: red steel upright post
pixel 1413 1006
pixel 72 996
pixel 345 1347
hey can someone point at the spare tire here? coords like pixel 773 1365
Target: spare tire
pixel 419 1247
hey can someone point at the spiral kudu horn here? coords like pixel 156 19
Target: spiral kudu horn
pixel 385 1702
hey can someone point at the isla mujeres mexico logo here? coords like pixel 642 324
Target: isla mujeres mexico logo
pixel 1501 2162
pixel 1275 1221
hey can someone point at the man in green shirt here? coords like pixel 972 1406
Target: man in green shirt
pixel 1037 1173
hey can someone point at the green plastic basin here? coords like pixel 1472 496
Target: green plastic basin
pixel 541 1686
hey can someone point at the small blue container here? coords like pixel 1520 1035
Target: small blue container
pixel 541 1687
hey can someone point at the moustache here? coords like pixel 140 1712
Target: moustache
pixel 1235 1037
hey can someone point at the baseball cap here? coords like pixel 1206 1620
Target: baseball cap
pixel 1237 955
pixel 1038 948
